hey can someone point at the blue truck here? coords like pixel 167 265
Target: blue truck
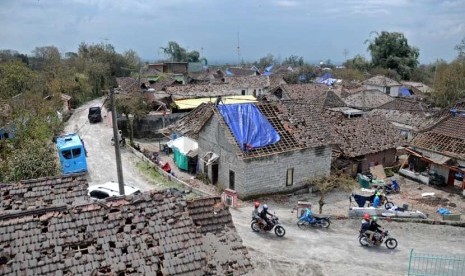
pixel 72 153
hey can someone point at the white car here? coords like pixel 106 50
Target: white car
pixel 109 189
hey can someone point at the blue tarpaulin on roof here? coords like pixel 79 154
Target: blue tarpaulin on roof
pixel 269 68
pixel 404 92
pixel 326 76
pixel 250 128
pixel 229 73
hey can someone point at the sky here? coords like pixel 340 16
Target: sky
pixel 314 29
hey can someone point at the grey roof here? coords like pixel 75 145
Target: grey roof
pixel 367 99
pixel 381 80
pixel 154 233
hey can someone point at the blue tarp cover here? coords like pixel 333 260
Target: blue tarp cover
pixel 250 128
pixel 405 92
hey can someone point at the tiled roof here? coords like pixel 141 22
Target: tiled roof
pixel 127 83
pixel 248 81
pixel 200 90
pixel 359 136
pixel 43 192
pixel 447 136
pixel 417 119
pixel 316 94
pixel 381 80
pixel 276 80
pixel 298 125
pixel 238 72
pixel 191 124
pixel 367 99
pixel 404 104
pixel 418 85
pixel 149 234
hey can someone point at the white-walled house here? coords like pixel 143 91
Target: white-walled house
pixel 383 84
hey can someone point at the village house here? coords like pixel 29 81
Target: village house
pixel 316 94
pixel 362 141
pixel 153 233
pixel 367 99
pixel 302 152
pixel 440 149
pixel 383 84
pixel 408 115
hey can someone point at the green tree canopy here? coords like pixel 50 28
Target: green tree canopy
pixel 294 61
pixel 392 51
pixel 176 53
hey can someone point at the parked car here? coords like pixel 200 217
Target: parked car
pixel 95 114
pixel 109 189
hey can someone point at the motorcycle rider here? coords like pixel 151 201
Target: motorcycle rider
pixel 264 214
pixel 256 213
pixel 366 225
pixel 376 229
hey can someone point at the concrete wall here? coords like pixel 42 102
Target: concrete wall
pixel 212 139
pixel 393 92
pixel 268 174
pixel 264 175
pixel 386 158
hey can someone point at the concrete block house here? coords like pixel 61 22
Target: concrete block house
pixel 302 153
pixel 384 85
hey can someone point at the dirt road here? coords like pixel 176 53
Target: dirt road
pixel 336 251
pixel 101 154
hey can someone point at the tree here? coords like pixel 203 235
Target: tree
pixel 358 63
pixel 176 53
pixel 392 51
pixel 329 183
pixel 15 78
pixel 461 49
pixel 449 82
pixel 266 61
pixel 294 61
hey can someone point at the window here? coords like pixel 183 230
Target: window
pixel 67 154
pixel 388 90
pixel 76 152
pixel 319 150
pixel 290 177
pixel 231 180
pixel 255 93
pixel 243 93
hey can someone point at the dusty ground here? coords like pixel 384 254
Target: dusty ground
pixel 101 154
pixel 334 251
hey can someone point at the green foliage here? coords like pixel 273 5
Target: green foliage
pixel 392 51
pixel 176 53
pixel 33 160
pixel 266 61
pixel 15 78
pixel 349 74
pixel 358 63
pixel 449 82
pixel 293 61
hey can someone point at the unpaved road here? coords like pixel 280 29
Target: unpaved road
pixel 336 251
pixel 101 154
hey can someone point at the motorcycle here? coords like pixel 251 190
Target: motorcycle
pixel 361 200
pixel 309 219
pixel 384 237
pixel 394 187
pixel 258 226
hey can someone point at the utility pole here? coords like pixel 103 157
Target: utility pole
pixel 119 168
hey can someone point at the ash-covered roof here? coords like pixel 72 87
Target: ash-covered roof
pixel 447 136
pixel 241 72
pixel 359 136
pixel 154 233
pixel 316 94
pixel 381 80
pixel 248 81
pixel 367 99
pixel 300 125
pixel 43 192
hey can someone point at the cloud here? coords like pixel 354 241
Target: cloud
pixel 286 3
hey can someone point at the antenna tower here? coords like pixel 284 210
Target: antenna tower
pixel 238 50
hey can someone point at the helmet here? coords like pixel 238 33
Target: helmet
pixel 375 218
pixel 378 193
pixel 366 216
pixel 265 207
pixel 256 204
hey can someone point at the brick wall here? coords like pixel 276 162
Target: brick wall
pixel 264 175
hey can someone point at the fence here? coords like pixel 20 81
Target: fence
pixel 421 264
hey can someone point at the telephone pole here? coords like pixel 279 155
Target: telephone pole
pixel 119 168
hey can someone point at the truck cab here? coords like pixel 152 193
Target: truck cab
pixel 95 114
pixel 72 154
